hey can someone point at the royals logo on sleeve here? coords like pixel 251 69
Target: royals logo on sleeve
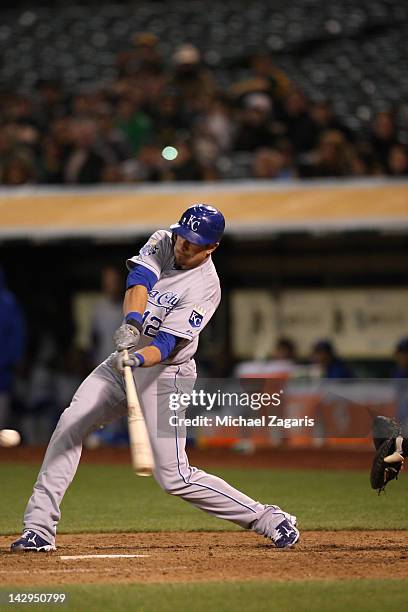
pixel 150 248
pixel 196 317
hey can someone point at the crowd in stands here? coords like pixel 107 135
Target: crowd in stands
pixel 262 127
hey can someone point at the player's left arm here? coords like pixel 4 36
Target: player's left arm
pixel 135 301
pixel 139 282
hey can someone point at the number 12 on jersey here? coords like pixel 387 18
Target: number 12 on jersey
pixel 153 326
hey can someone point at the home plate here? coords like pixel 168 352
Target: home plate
pixel 72 557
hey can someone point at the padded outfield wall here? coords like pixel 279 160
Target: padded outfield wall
pixel 256 208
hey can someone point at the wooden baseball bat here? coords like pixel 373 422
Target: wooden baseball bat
pixel 140 449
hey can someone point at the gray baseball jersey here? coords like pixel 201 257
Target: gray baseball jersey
pixel 181 302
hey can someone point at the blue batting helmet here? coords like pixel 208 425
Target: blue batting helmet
pixel 200 224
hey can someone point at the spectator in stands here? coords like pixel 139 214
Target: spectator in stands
pixel 107 314
pixel 20 115
pixel 218 123
pixel 12 345
pixel 190 80
pixel 323 119
pixel 285 350
pixel 71 365
pixel 383 136
pixel 40 405
pixel 148 166
pixel 7 143
pixel 51 103
pixel 255 124
pixel 281 363
pixel 56 148
pixel 20 110
pixel 264 77
pixel 143 59
pixel 19 169
pixel 135 124
pixel 270 164
pixel 331 366
pixel 333 158
pixel 168 118
pixel 264 68
pixel 147 53
pixel 113 173
pixel 111 136
pixel 87 159
pixel 364 161
pixel 17 164
pixel 299 127
pixel 397 161
pixel 206 152
pixel 400 374
pixel 84 104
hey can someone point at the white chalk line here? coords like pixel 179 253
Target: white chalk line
pixel 76 557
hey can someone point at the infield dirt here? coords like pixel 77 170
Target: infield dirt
pixel 200 556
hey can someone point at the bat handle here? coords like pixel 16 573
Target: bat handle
pixel 132 398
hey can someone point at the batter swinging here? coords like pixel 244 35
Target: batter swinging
pixel 172 292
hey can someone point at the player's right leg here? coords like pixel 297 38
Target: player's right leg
pixel 99 399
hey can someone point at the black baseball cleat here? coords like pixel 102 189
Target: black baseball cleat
pixel 31 541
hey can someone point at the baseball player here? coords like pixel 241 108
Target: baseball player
pixel 172 292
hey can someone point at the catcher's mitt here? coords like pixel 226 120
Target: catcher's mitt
pixel 389 455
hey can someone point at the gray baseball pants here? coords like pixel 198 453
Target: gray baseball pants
pixel 101 399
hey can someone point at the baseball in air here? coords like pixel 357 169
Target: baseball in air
pixel 9 437
pixel 169 153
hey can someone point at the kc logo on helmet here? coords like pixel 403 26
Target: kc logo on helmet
pixel 192 222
